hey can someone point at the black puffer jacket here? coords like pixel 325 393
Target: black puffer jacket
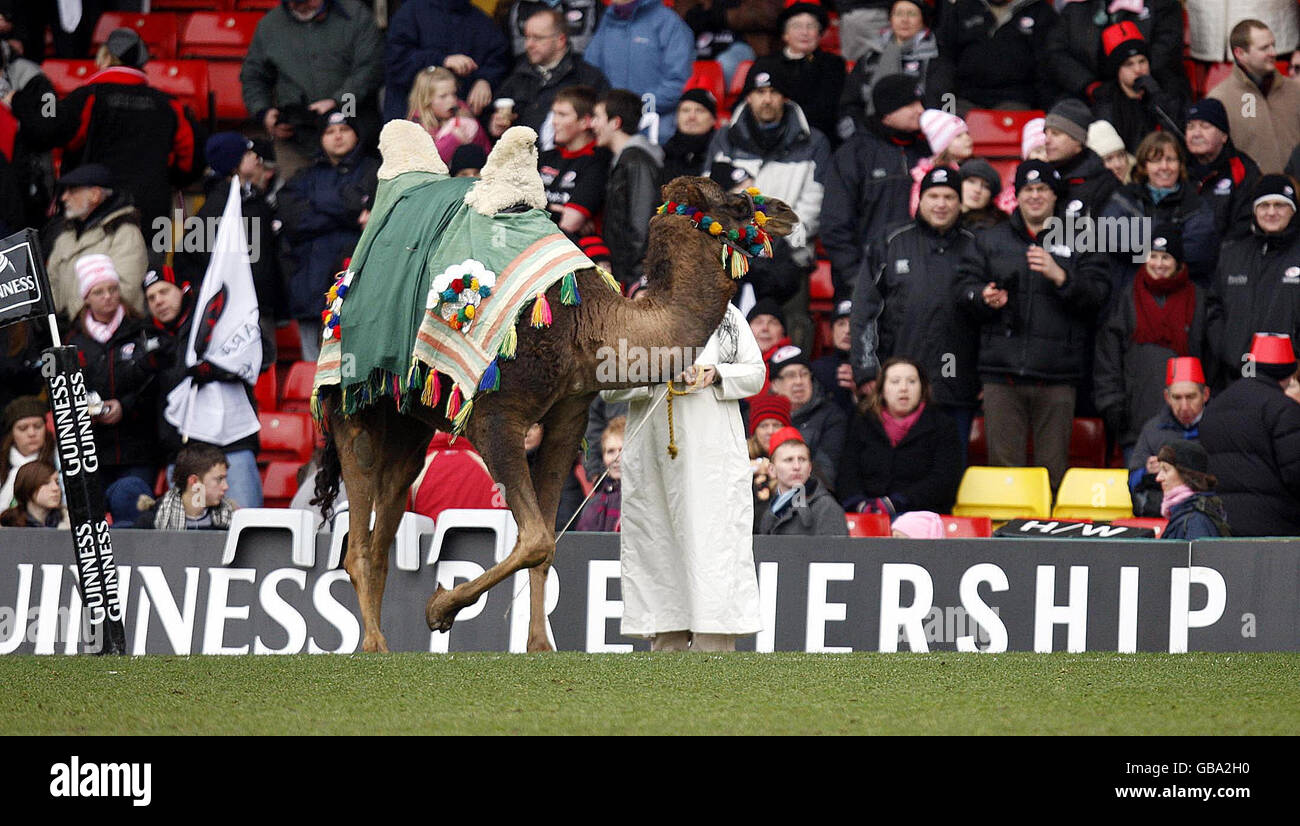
pixel 1042 332
pixel 868 192
pixel 821 423
pixel 1227 184
pixel 533 92
pixel 1075 59
pixel 1252 433
pixel 992 64
pixel 631 195
pixel 1089 184
pixel 124 368
pixel 902 306
pixel 1133 375
pixel 1258 280
pixel 1185 209
pixel 920 474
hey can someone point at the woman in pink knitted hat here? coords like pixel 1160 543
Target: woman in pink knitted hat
pixel 949 140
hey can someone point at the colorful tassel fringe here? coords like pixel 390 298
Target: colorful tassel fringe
pixel 453 403
pixel 609 280
pixel 491 378
pixel 739 264
pixel 541 311
pixel 432 390
pixel 569 290
pixel 458 422
pixel 509 344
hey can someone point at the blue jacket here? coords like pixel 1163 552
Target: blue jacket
pixel 424 32
pixel 1192 518
pixel 652 52
pixel 319 208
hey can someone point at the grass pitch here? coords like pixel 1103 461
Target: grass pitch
pixel 573 693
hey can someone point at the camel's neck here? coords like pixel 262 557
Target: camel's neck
pixel 684 303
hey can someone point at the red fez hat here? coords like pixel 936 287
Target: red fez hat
pixel 1112 36
pixel 785 434
pixel 1185 368
pixel 769 406
pixel 1272 348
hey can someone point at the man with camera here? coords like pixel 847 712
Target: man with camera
pixel 1035 305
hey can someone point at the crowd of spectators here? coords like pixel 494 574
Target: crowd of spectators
pixel 952 293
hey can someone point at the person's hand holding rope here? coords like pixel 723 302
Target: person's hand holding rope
pixel 698 377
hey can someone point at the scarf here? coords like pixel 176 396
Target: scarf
pixel 170 513
pixel 765 137
pixel 686 154
pixel 1174 497
pixel 100 331
pixel 1159 193
pixel 1163 324
pixel 896 429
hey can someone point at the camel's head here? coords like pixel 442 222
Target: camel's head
pixel 732 210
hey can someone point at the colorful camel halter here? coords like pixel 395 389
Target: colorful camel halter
pixel 752 240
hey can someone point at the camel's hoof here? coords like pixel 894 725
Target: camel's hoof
pixel 539 645
pixel 439 616
pixel 375 645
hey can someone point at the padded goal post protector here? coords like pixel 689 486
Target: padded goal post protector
pixel 25 296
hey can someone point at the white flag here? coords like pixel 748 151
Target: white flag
pixel 219 412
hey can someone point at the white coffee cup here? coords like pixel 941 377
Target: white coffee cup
pixel 505 105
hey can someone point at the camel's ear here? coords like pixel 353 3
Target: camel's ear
pixel 689 190
pixel 781 220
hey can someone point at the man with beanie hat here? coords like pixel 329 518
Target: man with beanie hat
pixel 1252 434
pixel 1088 184
pixel 1258 276
pixel 820 421
pixel 767 323
pixel 869 184
pixel 687 151
pixel 1263 106
pixel 546 64
pixel 1074 59
pixel 833 369
pixel 1130 98
pixel 1179 419
pixel 1159 315
pixel 981 195
pixel 324 209
pixel 902 303
pixel 148 139
pixel 811 77
pixel 770 138
pixel 994 52
pixel 1035 307
pixel 1223 174
pixel 310 56
pixel 97 218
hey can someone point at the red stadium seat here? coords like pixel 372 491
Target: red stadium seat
pixel 161 484
pixel 996 132
pixel 707 74
pixel 159 30
pixel 193 5
pixel 186 80
pixel 219 34
pixel 279 484
pixel 66 75
pixel 250 5
pixel 1154 523
pixel 265 392
pixel 288 345
pixel 868 524
pixel 223 79
pixel 738 83
pixel 977 452
pixel 1088 443
pixel 581 473
pixel 286 437
pixel 297 387
pixel 967 527
pixel 1006 168
pixel 1216 74
pixel 831 37
pixel 821 290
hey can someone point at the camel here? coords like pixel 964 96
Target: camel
pixel 552 379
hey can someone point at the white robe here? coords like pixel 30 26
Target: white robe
pixel 687 543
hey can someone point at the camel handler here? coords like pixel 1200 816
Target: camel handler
pixel 687 542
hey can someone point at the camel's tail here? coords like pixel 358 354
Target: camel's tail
pixel 329 472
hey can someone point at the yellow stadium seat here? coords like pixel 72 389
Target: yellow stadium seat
pixel 1003 493
pixel 1099 494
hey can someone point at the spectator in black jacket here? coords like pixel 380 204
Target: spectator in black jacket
pixel 801 506
pixel 812 78
pixel 1258 277
pixel 833 370
pixel 1075 60
pixel 1161 315
pixel 901 454
pixel 1252 433
pixel 1223 175
pixel 118 356
pixel 324 208
pixel 869 184
pixel 818 418
pixel 574 172
pixel 580 18
pixel 1131 99
pixel 548 65
pixel 1191 507
pixel 450 33
pixel 1035 306
pixel 1087 184
pixel 632 192
pixel 994 51
pixel 150 142
pixel 903 303
pixel 1185 396
pixel 980 187
pixel 687 151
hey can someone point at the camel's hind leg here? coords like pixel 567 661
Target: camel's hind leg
pixel 563 427
pixel 499 437
pixel 380 452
